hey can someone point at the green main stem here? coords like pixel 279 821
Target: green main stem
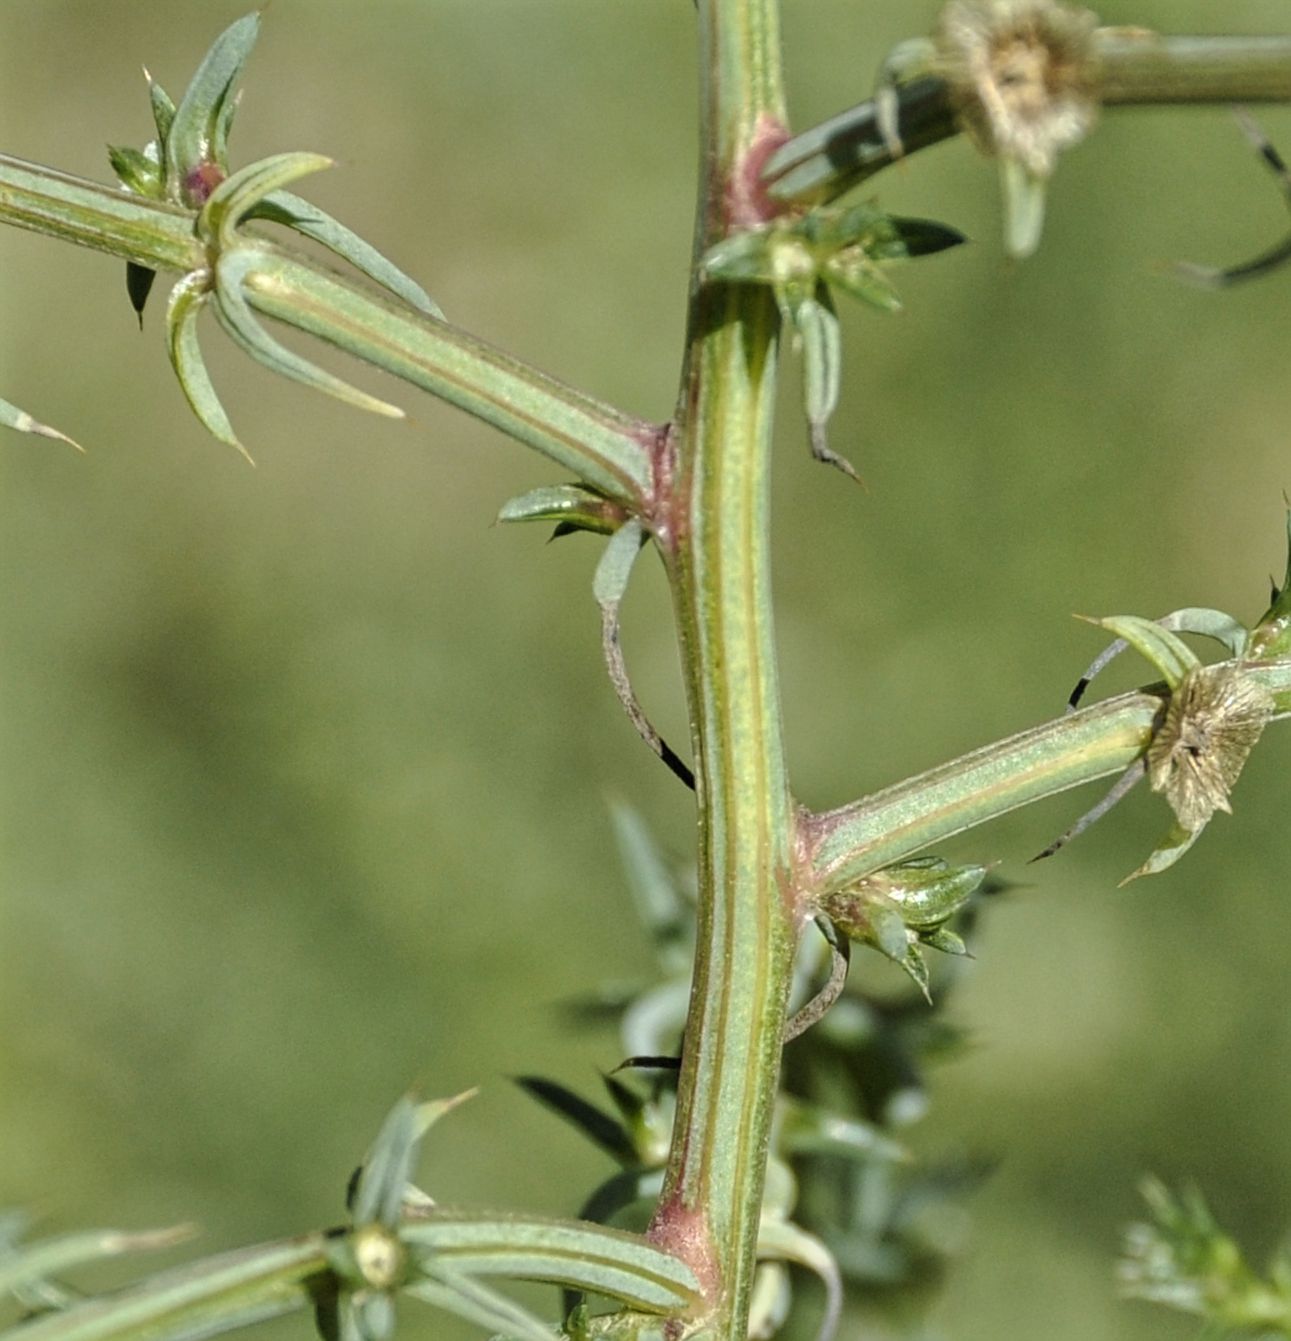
pixel 718 554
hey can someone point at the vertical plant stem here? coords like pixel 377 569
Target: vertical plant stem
pixel 718 559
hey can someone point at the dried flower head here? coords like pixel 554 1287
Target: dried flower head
pixel 1214 718
pixel 1022 74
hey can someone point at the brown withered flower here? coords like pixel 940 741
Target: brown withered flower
pixel 1212 722
pixel 1022 75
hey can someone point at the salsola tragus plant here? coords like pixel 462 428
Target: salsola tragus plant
pixel 732 1163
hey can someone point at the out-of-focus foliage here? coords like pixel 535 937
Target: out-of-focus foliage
pixel 1183 1259
pixel 306 766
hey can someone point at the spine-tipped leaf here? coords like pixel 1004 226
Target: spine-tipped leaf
pixel 199 130
pixel 187 299
pixel 235 314
pixel 291 211
pixel 247 188
pixel 12 417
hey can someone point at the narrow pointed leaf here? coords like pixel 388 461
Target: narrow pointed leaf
pixel 562 1252
pixel 21 1266
pixel 573 507
pixel 236 316
pixel 1207 623
pixel 631 1106
pixel 1167 652
pixel 187 299
pixel 199 124
pixel 859 277
pixel 139 282
pixel 926 237
pixel 203 1299
pixel 1272 635
pixel 626 1188
pixel 822 341
pixel 12 417
pixel 756 256
pixel 163 107
pixel 243 190
pixel 477 1303
pixel 599 1128
pixel 378 1194
pixel 430 1111
pixel 136 171
pixel 1167 852
pixel 225 125
pixel 291 211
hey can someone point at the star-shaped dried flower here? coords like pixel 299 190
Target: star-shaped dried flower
pixel 1213 721
pixel 1023 79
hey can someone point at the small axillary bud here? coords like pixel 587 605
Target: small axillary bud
pixel 1213 721
pixel 379 1256
pixel 792 263
pixel 1023 76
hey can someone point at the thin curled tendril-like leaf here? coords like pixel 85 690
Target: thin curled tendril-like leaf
pixel 187 299
pixel 783 1241
pixel 609 586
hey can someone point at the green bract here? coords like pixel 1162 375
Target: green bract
pixel 187 165
pixel 801 259
pixel 899 910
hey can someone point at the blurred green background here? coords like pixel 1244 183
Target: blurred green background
pixel 306 766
